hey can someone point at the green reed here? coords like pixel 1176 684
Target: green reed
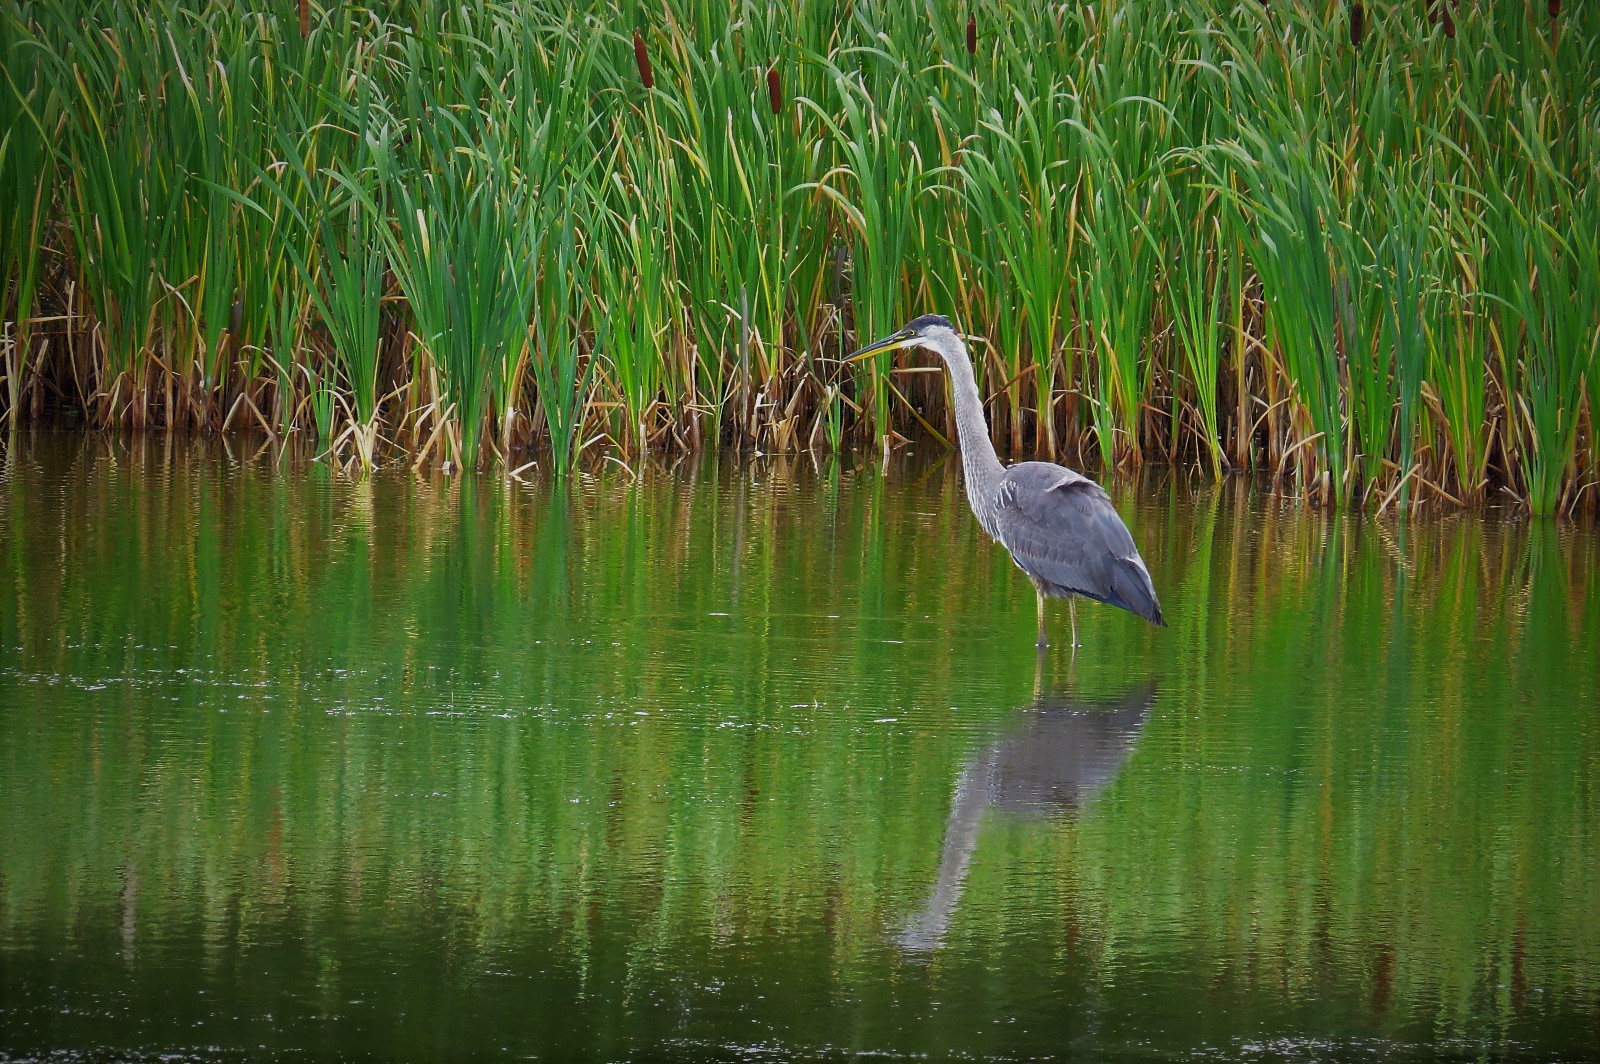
pixel 460 240
pixel 338 254
pixel 735 227
pixel 561 373
pixel 1021 195
pixel 1209 232
pixel 29 112
pixel 878 183
pixel 1196 282
pixel 122 196
pixel 1407 255
pixel 630 297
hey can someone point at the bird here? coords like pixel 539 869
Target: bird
pixel 1058 525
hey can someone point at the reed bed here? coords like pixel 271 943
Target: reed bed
pixel 1356 247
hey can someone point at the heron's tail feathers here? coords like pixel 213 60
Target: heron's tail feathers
pixel 1133 591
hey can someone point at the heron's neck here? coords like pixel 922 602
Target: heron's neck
pixel 979 464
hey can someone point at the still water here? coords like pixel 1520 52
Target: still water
pixel 758 761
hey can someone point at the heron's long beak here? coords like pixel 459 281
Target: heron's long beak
pixel 903 338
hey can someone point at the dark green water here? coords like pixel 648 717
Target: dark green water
pixel 758 762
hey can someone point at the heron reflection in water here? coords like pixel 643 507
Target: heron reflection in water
pixel 1056 756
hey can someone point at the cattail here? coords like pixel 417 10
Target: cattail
pixel 642 57
pixel 1554 7
pixel 1449 23
pixel 1358 24
pixel 972 33
pixel 774 91
pixel 305 19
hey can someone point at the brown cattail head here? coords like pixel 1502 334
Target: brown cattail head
pixel 774 91
pixel 1358 24
pixel 1449 23
pixel 972 33
pixel 642 57
pixel 1554 7
pixel 305 19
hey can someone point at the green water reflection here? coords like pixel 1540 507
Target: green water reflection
pixel 756 761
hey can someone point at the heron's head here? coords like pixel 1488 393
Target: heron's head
pixel 932 331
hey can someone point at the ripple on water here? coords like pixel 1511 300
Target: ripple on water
pixel 762 763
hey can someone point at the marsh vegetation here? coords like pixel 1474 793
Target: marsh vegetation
pixel 1354 246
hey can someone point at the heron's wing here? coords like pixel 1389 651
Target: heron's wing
pixel 1062 530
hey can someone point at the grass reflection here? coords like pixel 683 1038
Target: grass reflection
pixel 639 727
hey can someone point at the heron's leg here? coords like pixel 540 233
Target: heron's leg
pixel 1072 608
pixel 1044 640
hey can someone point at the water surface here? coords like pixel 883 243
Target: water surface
pixel 756 760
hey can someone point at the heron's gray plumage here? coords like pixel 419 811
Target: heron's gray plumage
pixel 1058 525
pixel 1036 503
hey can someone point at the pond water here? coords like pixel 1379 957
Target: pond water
pixel 757 760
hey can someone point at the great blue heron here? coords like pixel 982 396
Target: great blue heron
pixel 1059 525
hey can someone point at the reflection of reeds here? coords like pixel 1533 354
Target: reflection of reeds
pixel 329 785
pixel 1230 237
